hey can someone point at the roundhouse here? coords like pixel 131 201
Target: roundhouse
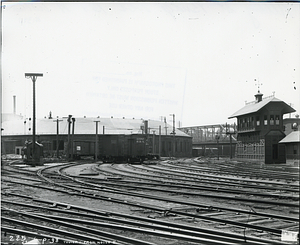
pixel 115 135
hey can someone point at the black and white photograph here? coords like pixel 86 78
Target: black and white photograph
pixel 145 123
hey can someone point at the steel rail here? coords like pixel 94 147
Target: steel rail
pixel 179 234
pixel 116 191
pixel 154 230
pixel 211 196
pixel 110 199
pixel 43 237
pixel 23 178
pixel 199 231
pixel 99 234
pixel 52 230
pixel 159 209
pixel 262 171
pixel 132 175
pixel 207 179
pixel 147 223
pixel 225 221
pixel 231 165
pixel 189 187
pixel 219 177
pixel 255 227
pixel 217 169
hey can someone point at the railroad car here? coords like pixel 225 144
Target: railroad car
pixel 115 148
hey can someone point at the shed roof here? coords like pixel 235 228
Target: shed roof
pixel 255 107
pixel 87 126
pixel 293 137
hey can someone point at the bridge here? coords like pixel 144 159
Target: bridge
pixel 212 140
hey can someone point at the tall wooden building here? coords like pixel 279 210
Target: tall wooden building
pixel 260 128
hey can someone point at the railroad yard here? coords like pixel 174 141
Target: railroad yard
pixel 166 201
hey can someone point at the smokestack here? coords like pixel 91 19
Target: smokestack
pixel 14 105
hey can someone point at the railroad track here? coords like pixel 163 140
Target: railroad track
pixel 246 221
pixel 214 185
pixel 86 218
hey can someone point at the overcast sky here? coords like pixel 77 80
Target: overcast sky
pixel 200 61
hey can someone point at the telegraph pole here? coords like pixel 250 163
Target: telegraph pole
pixel 69 129
pixel 57 133
pixel 96 141
pixel 72 141
pixel 153 142
pixel 33 77
pixel 230 131
pixel 159 141
pixel 173 132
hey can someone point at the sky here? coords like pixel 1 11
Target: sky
pixel 200 61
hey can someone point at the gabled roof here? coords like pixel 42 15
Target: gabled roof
pixel 291 138
pixel 255 107
pixel 87 126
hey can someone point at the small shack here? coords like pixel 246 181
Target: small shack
pixel 33 156
pixel 292 145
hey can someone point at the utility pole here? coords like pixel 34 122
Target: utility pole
pixel 33 77
pixel 159 141
pixel 72 141
pixel 57 133
pixel 218 138
pixel 69 129
pixel 146 136
pixel 153 142
pixel 173 132
pixel 96 141
pixel 166 128
pixel 230 131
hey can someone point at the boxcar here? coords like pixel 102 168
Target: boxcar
pixel 114 148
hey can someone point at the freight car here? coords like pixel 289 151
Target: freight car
pixel 115 148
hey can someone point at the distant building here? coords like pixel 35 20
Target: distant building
pixel 292 139
pixel 260 128
pixel 18 131
pixel 291 124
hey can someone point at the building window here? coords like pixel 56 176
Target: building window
pixel 265 120
pixel 277 119
pixel 240 123
pixel 295 150
pixel 271 119
pixel 257 121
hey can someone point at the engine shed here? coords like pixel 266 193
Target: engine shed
pixel 113 136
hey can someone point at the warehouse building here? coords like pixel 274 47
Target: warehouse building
pixel 60 136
